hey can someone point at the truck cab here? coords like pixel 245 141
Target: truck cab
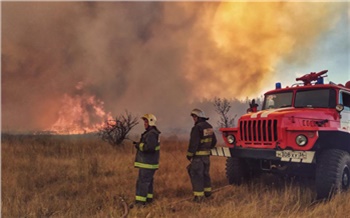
pixel 301 130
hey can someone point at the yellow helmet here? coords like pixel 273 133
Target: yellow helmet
pixel 199 113
pixel 151 119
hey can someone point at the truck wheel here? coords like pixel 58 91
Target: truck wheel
pixel 237 170
pixel 332 173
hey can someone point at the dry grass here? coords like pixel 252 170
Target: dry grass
pixel 81 176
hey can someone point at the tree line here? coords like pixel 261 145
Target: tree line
pixel 116 131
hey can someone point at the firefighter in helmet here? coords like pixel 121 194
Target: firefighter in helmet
pixel 147 160
pixel 201 141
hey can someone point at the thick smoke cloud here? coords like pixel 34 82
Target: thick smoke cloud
pixel 146 57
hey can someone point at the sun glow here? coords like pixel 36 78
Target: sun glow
pixel 246 42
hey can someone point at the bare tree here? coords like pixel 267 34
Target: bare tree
pixel 222 107
pixel 115 131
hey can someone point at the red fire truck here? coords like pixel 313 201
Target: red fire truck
pixel 301 130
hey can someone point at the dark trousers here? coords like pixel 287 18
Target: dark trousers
pixel 144 185
pixel 199 174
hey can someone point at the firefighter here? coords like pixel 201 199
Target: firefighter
pixel 201 141
pixel 147 160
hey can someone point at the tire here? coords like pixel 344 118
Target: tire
pixel 237 170
pixel 332 173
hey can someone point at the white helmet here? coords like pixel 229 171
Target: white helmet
pixel 199 113
pixel 151 119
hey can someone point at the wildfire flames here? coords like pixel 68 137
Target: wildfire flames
pixel 80 114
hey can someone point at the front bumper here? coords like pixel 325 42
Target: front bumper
pixel 266 154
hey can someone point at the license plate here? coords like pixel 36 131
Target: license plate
pixel 296 156
pixel 300 155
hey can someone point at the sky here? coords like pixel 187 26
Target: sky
pixel 72 65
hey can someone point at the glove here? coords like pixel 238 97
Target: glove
pixel 137 145
pixel 189 158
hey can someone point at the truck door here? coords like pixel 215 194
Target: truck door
pixel 345 114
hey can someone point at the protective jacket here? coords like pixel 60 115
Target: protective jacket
pixel 202 139
pixel 147 156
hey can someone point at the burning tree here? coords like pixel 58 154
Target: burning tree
pixel 222 107
pixel 115 131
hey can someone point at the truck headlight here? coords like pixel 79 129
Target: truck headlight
pixel 231 139
pixel 301 140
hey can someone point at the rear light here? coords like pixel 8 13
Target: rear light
pixel 301 140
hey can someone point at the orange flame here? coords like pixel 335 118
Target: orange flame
pixel 80 114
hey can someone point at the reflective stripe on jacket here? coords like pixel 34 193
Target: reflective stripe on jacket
pixel 147 156
pixel 202 139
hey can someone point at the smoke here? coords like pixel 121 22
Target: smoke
pixel 146 57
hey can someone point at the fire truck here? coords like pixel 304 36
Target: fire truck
pixel 301 130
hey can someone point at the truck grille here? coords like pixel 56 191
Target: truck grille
pixel 258 131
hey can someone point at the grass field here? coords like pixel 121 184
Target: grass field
pixel 81 176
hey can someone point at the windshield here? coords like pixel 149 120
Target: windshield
pixel 278 100
pixel 315 98
pixel 324 98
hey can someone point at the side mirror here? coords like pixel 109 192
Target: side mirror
pixel 339 108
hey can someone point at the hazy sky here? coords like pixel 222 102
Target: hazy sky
pixel 71 64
